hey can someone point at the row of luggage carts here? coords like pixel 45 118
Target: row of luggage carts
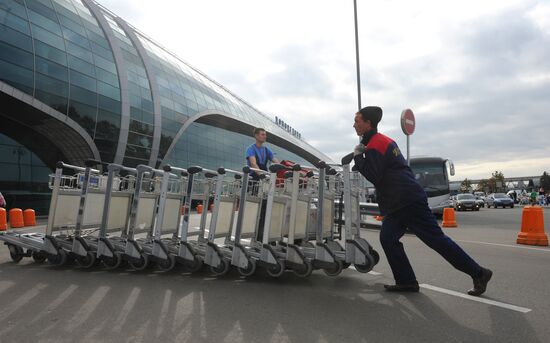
pixel 141 217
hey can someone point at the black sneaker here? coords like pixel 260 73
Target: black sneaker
pixel 480 282
pixel 413 287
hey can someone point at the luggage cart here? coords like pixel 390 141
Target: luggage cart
pixel 140 198
pixel 357 250
pixel 71 208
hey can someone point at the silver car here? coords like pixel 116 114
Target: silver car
pixel 466 201
pixel 499 199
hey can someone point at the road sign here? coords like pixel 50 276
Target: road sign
pixel 408 122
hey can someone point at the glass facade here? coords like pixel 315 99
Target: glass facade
pixel 77 58
pixel 24 180
pixel 55 51
pixel 212 147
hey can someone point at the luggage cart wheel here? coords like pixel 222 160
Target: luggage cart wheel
pixel 141 264
pixel 59 259
pixel 16 253
pixel 87 261
pixel 39 257
pixel 220 270
pixel 276 270
pixel 250 269
pixel 112 262
pixel 375 256
pixel 305 270
pixel 367 267
pixel 168 264
pixel 197 264
pixel 335 270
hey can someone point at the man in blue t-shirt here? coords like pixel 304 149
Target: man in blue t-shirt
pixel 257 155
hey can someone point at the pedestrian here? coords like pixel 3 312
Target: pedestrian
pixel 258 156
pixel 541 196
pixel 533 197
pixel 403 204
pixel 2 201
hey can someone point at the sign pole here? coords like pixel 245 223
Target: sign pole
pixel 408 151
pixel 408 124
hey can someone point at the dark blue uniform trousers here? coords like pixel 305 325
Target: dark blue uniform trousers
pixel 419 219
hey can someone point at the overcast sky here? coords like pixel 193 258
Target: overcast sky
pixel 475 73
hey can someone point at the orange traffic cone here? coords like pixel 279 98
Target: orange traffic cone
pixel 3 219
pixel 16 218
pixel 532 227
pixel 449 219
pixel 29 217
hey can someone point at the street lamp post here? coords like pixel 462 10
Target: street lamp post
pixel 357 56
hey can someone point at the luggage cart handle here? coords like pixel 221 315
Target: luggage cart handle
pixel 277 167
pixel 61 164
pixel 262 174
pixel 237 174
pixel 168 168
pixel 118 167
pixel 92 163
pixel 347 159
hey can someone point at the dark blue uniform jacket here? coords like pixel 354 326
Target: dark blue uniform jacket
pixel 384 166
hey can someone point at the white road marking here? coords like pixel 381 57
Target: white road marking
pixel 478 299
pixel 372 272
pixel 503 245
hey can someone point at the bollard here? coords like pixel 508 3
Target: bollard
pixel 532 227
pixel 29 217
pixel 16 218
pixel 199 208
pixel 449 218
pixel 3 219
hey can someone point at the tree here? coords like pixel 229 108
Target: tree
pixel 496 182
pixel 483 185
pixel 466 185
pixel 545 181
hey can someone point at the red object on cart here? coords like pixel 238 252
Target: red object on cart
pixel 281 173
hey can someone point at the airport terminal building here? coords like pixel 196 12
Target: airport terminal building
pixel 78 82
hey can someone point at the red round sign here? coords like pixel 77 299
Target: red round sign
pixel 408 122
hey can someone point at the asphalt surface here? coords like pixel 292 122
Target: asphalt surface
pixel 41 303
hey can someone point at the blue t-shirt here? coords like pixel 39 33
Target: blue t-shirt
pixel 262 154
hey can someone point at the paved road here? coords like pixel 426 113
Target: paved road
pixel 43 303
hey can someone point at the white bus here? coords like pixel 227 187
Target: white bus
pixel 432 174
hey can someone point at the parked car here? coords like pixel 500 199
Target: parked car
pixel 480 200
pixel 466 201
pixel 499 199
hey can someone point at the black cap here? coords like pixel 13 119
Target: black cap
pixel 372 113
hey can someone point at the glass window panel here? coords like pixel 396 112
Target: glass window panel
pixel 105 64
pixel 107 77
pixel 50 53
pixel 43 10
pixel 15 38
pixel 148 117
pixel 101 51
pixel 83 81
pixel 98 39
pixel 76 38
pixel 13 21
pixel 58 103
pixel 83 114
pixel 108 125
pixel 79 52
pixel 14 7
pixel 16 56
pixel 44 22
pixel 16 76
pixel 108 90
pixel 52 69
pixel 135 113
pixel 81 65
pixel 47 37
pixel 109 104
pixel 84 96
pixel 70 24
pixel 49 84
